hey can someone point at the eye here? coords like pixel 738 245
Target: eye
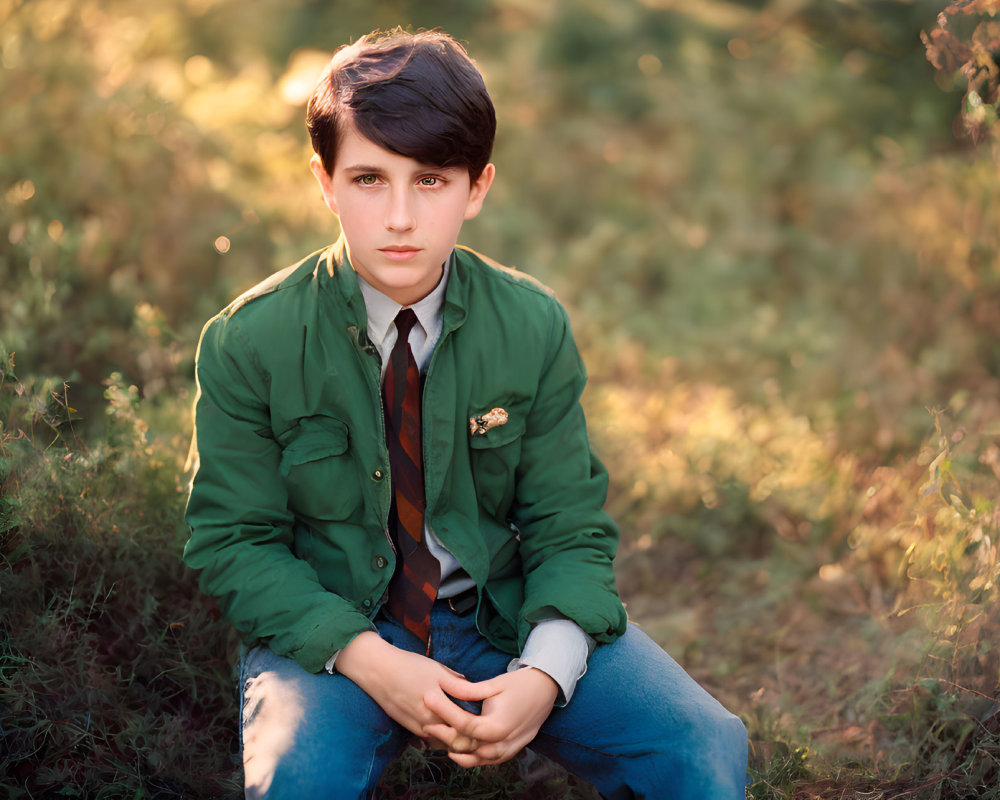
pixel 429 180
pixel 367 180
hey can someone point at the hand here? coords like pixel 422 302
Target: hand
pixel 405 685
pixel 515 705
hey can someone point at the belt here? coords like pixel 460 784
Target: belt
pixel 463 603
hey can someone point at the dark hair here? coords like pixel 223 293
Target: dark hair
pixel 416 94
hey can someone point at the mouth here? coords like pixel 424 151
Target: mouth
pixel 399 252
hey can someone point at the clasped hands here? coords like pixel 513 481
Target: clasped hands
pixel 414 690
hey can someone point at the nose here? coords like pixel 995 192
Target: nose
pixel 399 215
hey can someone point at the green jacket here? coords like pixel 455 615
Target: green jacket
pixel 289 503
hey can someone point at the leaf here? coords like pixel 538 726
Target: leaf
pixel 930 487
pixel 945 51
pixel 959 505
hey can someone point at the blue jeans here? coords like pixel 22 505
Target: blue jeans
pixel 637 726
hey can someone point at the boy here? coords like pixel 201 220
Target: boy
pixel 396 502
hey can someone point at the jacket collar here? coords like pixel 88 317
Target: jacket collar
pixel 456 295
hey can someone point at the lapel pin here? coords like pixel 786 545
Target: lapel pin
pixel 481 423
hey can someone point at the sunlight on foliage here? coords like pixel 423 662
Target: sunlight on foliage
pixel 774 226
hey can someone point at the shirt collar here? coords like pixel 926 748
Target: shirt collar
pixel 382 310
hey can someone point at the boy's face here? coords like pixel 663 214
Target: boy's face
pixel 400 218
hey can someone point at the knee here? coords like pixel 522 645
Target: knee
pixel 710 728
pixel 712 761
pixel 730 756
pixel 724 726
pixel 306 737
pixel 272 717
pixel 316 768
pixel 731 736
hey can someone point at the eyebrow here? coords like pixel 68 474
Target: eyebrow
pixel 364 168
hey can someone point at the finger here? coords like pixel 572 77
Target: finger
pixel 482 757
pixel 467 760
pixel 465 690
pixel 496 753
pixel 464 744
pixel 453 672
pixel 451 739
pixel 450 713
pixel 434 743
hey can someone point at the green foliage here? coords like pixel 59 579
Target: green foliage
pixel 949 715
pixel 107 206
pixel 112 683
pixel 776 254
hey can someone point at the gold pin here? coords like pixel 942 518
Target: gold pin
pixel 481 423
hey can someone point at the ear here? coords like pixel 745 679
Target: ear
pixel 325 181
pixel 478 190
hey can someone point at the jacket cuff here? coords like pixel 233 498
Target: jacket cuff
pixel 315 654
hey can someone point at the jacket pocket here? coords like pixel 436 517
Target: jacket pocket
pixel 495 456
pixel 319 473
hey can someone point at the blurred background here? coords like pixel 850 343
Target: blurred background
pixel 774 224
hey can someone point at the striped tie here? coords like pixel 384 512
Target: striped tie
pixel 414 585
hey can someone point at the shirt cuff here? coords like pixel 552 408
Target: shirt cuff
pixel 331 665
pixel 560 649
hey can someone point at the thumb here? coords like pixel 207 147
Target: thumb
pixel 464 690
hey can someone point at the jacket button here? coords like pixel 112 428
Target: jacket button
pixel 377 475
pixel 367 603
pixel 380 562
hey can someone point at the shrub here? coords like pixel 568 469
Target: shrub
pixel 114 679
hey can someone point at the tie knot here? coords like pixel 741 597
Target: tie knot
pixel 405 320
